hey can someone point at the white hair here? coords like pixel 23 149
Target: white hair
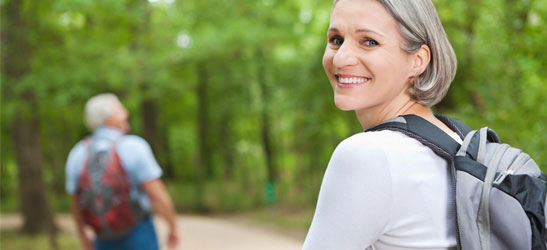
pixel 419 25
pixel 98 109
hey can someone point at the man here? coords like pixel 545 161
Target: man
pixel 96 183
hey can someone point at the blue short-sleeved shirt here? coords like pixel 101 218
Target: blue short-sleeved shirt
pixel 135 155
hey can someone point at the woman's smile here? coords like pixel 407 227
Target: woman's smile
pixel 350 81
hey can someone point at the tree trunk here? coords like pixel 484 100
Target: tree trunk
pixel 228 106
pixel 265 125
pixel 203 162
pixel 155 136
pixel 28 154
pixel 169 171
pixel 149 110
pixel 25 130
pixel 227 148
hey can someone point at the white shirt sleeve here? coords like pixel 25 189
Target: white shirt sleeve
pixel 354 205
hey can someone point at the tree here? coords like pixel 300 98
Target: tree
pixel 17 53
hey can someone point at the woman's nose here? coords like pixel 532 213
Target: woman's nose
pixel 345 56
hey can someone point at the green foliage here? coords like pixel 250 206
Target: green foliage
pixel 163 52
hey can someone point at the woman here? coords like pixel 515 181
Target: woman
pixel 384 190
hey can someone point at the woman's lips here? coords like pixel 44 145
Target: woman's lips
pixel 350 81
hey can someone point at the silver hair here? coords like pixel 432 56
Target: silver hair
pixel 419 25
pixel 99 108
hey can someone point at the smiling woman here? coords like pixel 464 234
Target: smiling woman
pixel 383 189
pixel 415 64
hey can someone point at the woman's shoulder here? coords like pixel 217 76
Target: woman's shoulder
pixel 367 146
pixel 384 140
pixel 379 145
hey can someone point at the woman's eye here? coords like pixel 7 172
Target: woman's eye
pixel 371 43
pixel 336 40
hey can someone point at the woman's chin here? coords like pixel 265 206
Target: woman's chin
pixel 344 105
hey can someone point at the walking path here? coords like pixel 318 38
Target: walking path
pixel 205 233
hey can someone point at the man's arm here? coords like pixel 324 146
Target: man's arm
pixel 77 215
pixel 162 204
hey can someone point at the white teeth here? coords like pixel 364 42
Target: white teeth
pixel 350 80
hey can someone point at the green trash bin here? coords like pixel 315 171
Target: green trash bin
pixel 269 191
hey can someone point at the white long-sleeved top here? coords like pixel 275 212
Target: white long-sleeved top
pixel 385 191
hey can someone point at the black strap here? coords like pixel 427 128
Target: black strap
pixel 427 133
pixel 456 125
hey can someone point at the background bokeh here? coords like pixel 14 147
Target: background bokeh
pixel 231 95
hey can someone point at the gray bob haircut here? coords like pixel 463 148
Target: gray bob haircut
pixel 419 25
pixel 98 109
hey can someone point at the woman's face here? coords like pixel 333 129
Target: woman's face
pixel 363 59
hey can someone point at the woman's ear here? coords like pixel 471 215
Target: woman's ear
pixel 421 60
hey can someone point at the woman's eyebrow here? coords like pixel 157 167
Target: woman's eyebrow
pixel 333 29
pixel 365 30
pixel 360 30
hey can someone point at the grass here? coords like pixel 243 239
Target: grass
pixel 13 240
pixel 284 218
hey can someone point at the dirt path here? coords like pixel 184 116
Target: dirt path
pixel 205 233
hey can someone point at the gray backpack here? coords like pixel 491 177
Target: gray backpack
pixel 499 190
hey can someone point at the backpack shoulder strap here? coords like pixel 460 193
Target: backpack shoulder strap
pixel 456 125
pixel 427 133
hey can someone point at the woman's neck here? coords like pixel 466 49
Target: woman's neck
pixel 370 118
pixel 374 115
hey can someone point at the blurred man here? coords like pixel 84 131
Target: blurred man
pixel 114 183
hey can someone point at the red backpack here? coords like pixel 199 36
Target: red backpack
pixel 103 194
